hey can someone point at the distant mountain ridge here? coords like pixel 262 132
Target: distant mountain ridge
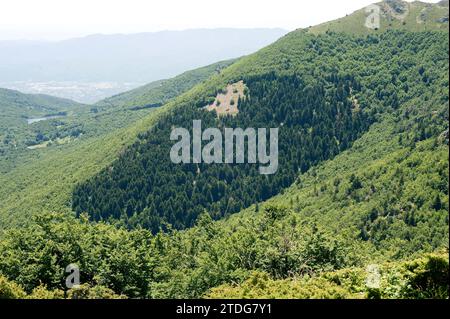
pixel 142 57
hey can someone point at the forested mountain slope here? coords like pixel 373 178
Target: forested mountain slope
pixel 322 91
pixel 42 179
pixel 36 104
pixel 303 244
pixel 75 121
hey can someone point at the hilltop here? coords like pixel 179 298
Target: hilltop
pixel 18 108
pixel 394 15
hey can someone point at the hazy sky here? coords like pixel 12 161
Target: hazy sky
pixel 60 19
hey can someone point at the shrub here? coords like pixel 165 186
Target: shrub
pixel 96 292
pixel 10 290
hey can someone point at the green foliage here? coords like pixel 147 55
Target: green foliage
pixel 427 280
pixel 133 192
pixel 261 286
pixel 368 114
pixel 176 264
pixel 426 277
pixel 41 292
pixel 10 290
pixel 96 292
pixel 39 254
pixel 323 100
pixel 394 207
pixel 297 260
pixel 44 178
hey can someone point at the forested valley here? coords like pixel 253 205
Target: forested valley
pixel 361 188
